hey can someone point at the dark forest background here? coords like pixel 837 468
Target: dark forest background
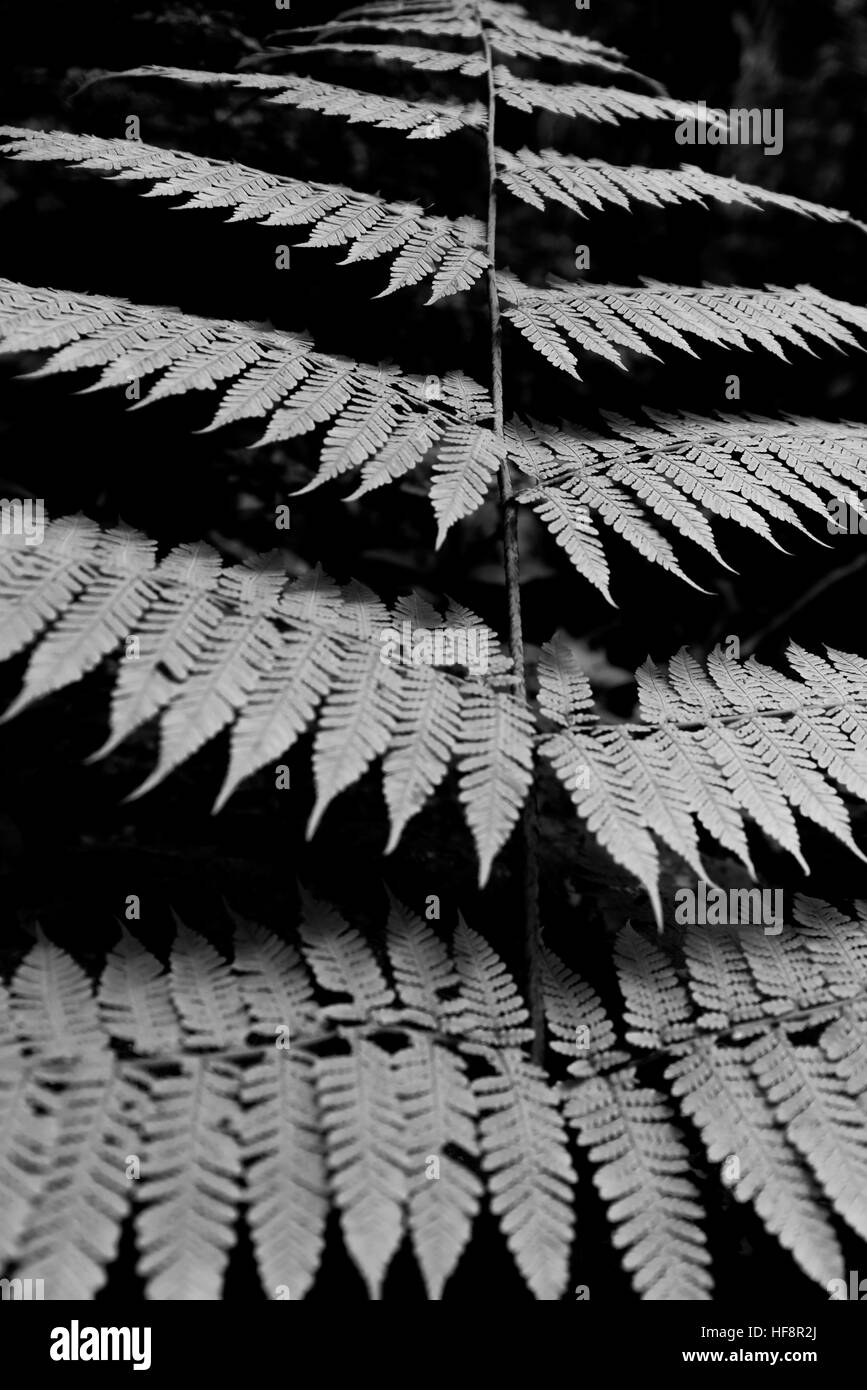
pixel 70 849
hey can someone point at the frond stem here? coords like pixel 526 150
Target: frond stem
pixel 511 553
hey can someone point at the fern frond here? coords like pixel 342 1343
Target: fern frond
pixel 608 104
pixel 131 342
pixel 440 1114
pixel 369 225
pixel 603 318
pixel 135 1003
pixel 239 647
pixel 718 745
pixel 343 963
pixel 190 1186
pixel 525 1157
pixel 421 120
pixel 643 1174
pixel 719 1093
pixel 287 1179
pixel 495 767
pixel 51 1004
pixel 368 1152
pixel 73 1231
pixel 548 176
pixel 822 1120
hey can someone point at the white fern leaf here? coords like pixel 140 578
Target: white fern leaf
pixel 287 1184
pixel 718 1092
pixel 427 723
pixel 274 985
pixel 135 1003
pixel 190 1184
pixel 495 768
pixel 537 177
pixel 73 1232
pixel 644 1176
pixel 343 963
pixel 52 1004
pixel 421 119
pixel 526 1160
pixel 366 1141
pixel 205 994
pixel 102 616
pixel 440 1111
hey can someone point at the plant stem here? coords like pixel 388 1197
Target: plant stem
pixel 511 553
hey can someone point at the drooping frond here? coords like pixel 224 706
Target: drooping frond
pixel 744 470
pixel 421 120
pixel 719 1094
pixel 547 176
pixel 509 29
pixel 644 1176
pixel 717 745
pixel 377 417
pixel 606 104
pixel 208 647
pixel 403 1107
pixel 369 225
pixel 605 318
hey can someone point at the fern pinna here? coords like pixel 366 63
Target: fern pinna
pixel 310 1073
pixel 716 746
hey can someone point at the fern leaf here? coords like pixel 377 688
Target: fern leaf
pixel 823 1122
pixel 440 1111
pixel 719 1093
pixel 220 666
pixel 104 614
pixel 371 226
pixel 525 1157
pixel 606 104
pixel 427 727
pixel 274 985
pixel 343 963
pixel 578 1024
pixel 287 1180
pixel 425 120
pixel 29 599
pixel 190 1182
pixel 287 690
pixel 644 1176
pixel 495 768
pixel 422 969
pixel 467 461
pixel 489 1012
pixel 550 176
pixel 73 1231
pixel 52 1004
pixel 362 1114
pixel 135 1003
pixel 28 1135
pixel 357 724
pixel 657 1007
pixel 602 317
pixel 205 993
pixel 136 341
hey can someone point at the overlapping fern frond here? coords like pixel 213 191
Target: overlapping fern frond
pixel 688 471
pixel 219 647
pixel 369 225
pixel 397 1088
pixel 606 318
pixel 379 419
